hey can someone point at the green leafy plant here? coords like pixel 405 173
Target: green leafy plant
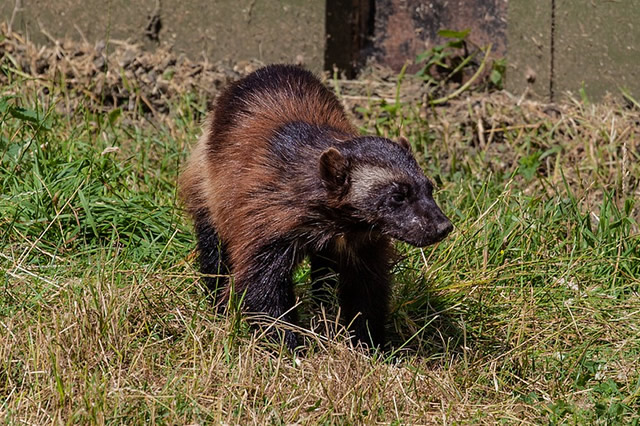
pixel 445 61
pixel 498 71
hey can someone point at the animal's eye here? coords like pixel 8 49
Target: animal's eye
pixel 399 194
pixel 398 197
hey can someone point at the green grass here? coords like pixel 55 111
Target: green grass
pixel 529 312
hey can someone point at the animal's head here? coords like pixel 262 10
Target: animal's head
pixel 379 182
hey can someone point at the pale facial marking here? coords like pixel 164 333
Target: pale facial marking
pixel 365 179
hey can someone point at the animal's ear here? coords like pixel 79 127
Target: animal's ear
pixel 334 169
pixel 403 142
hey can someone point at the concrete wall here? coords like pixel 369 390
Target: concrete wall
pixel 555 47
pixel 405 28
pixel 529 47
pixel 552 46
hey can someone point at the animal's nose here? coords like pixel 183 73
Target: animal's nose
pixel 444 227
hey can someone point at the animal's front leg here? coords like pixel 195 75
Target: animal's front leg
pixel 264 282
pixel 364 291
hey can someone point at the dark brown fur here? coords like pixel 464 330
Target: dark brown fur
pixel 280 174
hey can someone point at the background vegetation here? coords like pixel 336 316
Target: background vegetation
pixel 529 312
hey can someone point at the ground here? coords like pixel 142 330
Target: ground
pixel 528 313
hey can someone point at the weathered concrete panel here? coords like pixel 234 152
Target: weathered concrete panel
pixel 597 44
pixel 557 47
pixel 405 28
pixel 272 31
pixel 529 47
pixel 92 19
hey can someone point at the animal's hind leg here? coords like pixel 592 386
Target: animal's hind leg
pixel 212 257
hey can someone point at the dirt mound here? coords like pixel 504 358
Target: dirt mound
pixel 117 73
pixel 120 74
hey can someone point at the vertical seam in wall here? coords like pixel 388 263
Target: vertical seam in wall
pixel 552 51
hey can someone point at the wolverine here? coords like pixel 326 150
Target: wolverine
pixel 280 174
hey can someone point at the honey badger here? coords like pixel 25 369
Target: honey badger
pixel 279 174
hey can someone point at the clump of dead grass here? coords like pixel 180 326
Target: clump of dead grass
pixel 115 73
pixel 91 350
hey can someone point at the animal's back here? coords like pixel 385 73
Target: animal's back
pixel 234 179
pixel 271 97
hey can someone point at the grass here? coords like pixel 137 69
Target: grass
pixel 528 313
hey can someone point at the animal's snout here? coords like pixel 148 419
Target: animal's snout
pixel 444 228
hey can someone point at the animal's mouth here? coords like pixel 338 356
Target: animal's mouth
pixel 423 242
pixel 419 238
